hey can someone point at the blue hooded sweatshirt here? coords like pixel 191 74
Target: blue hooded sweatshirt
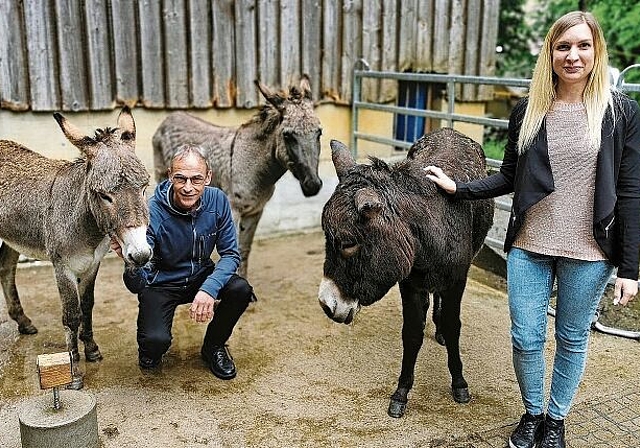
pixel 182 244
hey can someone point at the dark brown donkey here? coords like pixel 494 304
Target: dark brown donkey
pixel 388 224
pixel 71 211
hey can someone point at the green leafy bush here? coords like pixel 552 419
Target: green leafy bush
pixel 494 149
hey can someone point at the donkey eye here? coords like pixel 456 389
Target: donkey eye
pixel 106 198
pixel 349 248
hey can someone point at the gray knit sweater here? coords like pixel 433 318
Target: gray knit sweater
pixel 561 223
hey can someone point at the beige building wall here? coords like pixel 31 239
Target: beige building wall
pixel 288 211
pixel 473 131
pixel 40 132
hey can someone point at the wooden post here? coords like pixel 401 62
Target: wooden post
pixel 54 370
pixel 72 425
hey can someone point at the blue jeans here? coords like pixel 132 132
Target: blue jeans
pixel 580 284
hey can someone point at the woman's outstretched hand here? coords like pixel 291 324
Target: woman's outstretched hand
pixel 625 290
pixel 436 175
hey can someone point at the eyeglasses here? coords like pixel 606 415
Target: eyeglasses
pixel 197 180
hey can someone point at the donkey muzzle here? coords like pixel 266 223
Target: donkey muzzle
pixel 135 248
pixel 334 304
pixel 311 186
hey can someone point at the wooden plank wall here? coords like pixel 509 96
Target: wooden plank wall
pixel 98 54
pixel 100 78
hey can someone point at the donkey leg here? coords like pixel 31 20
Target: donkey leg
pixel 450 323
pixel 86 291
pixel 8 262
pixel 437 318
pixel 414 312
pixel 246 230
pixel 68 289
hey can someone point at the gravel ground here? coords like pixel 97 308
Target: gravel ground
pixel 303 381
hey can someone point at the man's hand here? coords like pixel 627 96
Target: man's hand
pixel 625 290
pixel 202 307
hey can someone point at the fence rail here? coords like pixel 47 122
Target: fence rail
pixel 362 70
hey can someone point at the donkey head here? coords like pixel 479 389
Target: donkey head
pixel 298 133
pixel 115 183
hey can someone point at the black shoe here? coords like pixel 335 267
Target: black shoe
pixel 553 434
pixel 528 433
pixel 220 362
pixel 148 363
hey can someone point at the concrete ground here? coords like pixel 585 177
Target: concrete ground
pixel 303 380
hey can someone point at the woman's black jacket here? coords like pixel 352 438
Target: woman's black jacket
pixel 616 213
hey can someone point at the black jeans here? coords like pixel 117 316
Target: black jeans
pixel 157 306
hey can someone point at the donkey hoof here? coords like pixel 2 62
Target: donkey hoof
pixel 27 329
pixel 461 395
pixel 396 408
pixel 77 383
pixel 440 339
pixel 93 356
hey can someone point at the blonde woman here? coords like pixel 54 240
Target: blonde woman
pixel 573 163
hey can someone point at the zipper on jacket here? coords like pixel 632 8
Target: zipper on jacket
pixel 200 249
pixel 607 227
pixel 194 248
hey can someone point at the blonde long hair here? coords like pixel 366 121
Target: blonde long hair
pixel 542 92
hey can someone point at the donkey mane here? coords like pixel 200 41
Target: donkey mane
pixel 378 173
pixel 296 95
pixel 104 134
pixel 269 117
pixel 379 164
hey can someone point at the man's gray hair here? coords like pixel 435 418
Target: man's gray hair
pixel 189 149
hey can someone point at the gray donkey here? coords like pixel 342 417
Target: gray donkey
pixel 68 215
pixel 248 160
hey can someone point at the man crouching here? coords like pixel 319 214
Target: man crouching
pixel 188 219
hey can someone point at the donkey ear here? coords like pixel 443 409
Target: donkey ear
pixel 81 141
pixel 127 125
pixel 270 96
pixel 341 157
pixel 305 86
pixel 368 203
